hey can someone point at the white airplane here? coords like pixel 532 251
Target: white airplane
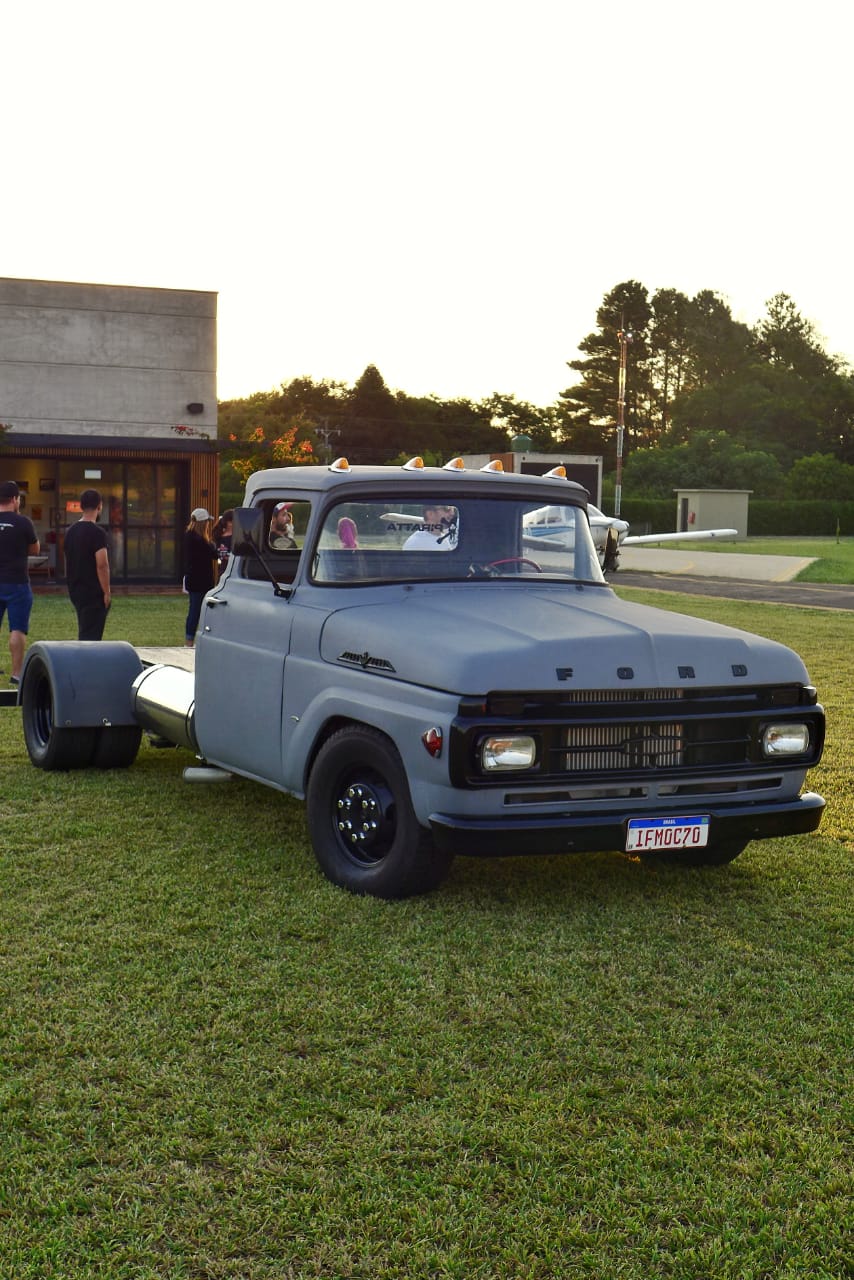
pixel 610 533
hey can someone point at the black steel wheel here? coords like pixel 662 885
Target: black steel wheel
pixel 363 829
pixel 50 747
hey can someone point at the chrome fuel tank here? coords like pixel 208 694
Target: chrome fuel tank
pixel 163 702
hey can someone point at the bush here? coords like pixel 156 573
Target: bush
pixel 816 518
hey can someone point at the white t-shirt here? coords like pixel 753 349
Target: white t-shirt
pixel 427 540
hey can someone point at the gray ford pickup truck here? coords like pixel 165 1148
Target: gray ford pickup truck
pixel 433 660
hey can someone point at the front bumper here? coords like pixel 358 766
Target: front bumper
pixel 586 833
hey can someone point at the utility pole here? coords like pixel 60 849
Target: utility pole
pixel 326 433
pixel 624 336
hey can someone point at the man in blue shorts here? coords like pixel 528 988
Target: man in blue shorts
pixel 17 541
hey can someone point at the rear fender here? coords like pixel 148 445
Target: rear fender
pixel 90 681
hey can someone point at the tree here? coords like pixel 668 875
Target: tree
pixel 718 346
pixel 710 460
pixel 669 350
pixel 514 417
pixel 259 451
pixel 373 427
pixel 788 341
pixel 821 476
pixel 591 403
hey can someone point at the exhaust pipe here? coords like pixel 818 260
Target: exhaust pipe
pixel 164 703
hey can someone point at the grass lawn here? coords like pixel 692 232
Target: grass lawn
pixel 214 1064
pixel 834 560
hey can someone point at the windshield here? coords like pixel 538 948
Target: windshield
pixel 459 540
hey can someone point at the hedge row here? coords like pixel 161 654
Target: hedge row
pixel 765 518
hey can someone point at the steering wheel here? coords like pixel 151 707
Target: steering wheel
pixel 496 564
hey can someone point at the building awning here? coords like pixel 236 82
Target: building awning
pixel 71 446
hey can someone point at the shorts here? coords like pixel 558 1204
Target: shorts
pixel 17 597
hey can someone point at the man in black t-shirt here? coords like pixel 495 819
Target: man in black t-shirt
pixel 87 568
pixel 18 540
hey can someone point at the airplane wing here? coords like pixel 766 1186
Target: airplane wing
pixel 696 535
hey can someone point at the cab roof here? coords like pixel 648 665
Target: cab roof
pixel 414 477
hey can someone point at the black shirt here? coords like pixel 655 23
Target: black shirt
pixel 82 541
pixel 17 535
pixel 200 556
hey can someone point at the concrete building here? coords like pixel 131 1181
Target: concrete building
pixel 114 388
pixel 698 509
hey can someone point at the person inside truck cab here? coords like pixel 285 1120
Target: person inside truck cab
pixel 437 533
pixel 281 537
pixel 348 534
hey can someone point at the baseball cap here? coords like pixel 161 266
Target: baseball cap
pixel 283 506
pixel 9 489
pixel 200 514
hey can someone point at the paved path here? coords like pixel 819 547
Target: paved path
pixel 715 564
pixel 766 579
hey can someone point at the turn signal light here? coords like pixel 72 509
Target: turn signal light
pixel 432 739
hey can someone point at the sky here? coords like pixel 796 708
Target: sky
pixel 446 190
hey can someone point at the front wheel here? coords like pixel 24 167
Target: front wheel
pixel 50 747
pixel 363 828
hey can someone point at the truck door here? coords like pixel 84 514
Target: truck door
pixel 241 647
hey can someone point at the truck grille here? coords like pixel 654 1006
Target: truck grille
pixel 613 747
pixel 637 735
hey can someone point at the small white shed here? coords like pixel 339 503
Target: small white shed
pixel 712 509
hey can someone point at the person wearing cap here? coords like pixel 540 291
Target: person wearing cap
pixel 200 558
pixel 282 528
pixel 87 568
pixel 438 532
pixel 18 539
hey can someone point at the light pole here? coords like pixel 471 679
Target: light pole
pixel 625 336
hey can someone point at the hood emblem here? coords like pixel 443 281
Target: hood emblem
pixel 366 661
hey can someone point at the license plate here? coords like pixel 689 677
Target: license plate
pixel 667 833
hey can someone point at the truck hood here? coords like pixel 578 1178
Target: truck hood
pixel 470 640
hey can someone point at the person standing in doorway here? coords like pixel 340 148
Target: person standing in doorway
pixel 18 539
pixel 200 558
pixel 87 568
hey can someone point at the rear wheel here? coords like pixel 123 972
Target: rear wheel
pixel 363 828
pixel 50 747
pixel 117 746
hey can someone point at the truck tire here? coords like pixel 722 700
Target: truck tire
pixel 715 855
pixel 117 746
pixel 49 747
pixel 363 829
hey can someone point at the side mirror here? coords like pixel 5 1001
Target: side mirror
pixel 247 531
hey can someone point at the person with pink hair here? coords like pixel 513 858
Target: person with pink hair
pixel 347 532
